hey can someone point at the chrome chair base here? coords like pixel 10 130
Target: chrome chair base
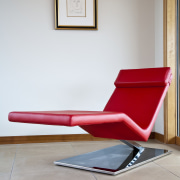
pixel 114 160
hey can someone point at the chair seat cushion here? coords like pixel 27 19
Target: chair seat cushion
pixel 66 118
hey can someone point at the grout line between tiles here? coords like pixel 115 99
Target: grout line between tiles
pixel 94 176
pixel 13 163
pixel 167 170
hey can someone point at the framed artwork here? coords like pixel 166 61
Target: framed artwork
pixel 76 14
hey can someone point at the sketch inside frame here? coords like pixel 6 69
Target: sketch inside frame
pixel 76 8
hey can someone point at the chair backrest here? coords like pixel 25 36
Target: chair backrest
pixel 140 93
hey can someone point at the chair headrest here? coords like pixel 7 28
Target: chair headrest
pixel 148 77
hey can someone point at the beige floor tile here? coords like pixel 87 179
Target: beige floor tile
pixel 35 161
pixel 8 146
pixel 173 169
pixel 169 160
pixel 174 148
pixel 80 147
pixel 62 173
pixel 148 171
pixel 170 163
pixel 46 149
pixel 7 155
pixel 4 176
pixel 7 151
pixel 31 164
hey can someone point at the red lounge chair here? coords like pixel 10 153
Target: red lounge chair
pixel 130 114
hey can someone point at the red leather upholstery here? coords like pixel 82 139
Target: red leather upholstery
pixel 66 118
pixel 143 77
pixel 139 94
pixel 129 114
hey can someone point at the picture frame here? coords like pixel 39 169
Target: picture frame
pixel 76 14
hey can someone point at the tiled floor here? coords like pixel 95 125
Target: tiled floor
pixel 35 162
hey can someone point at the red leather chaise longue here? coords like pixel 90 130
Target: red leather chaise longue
pixel 130 114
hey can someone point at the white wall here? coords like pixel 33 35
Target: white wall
pixel 159 126
pixel 46 69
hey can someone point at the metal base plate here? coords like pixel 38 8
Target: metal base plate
pixel 112 160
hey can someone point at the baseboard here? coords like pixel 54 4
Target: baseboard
pixel 60 138
pixel 152 135
pixel 159 137
pixel 178 140
pixel 48 138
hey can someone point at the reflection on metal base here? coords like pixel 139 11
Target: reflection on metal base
pixel 114 160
